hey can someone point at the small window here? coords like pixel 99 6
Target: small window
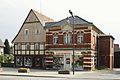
pixel 26 32
pixel 37 31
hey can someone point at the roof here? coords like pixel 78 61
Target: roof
pixel 42 18
pixel 104 35
pixel 77 20
pixel 1 43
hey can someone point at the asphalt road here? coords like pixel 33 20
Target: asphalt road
pixel 44 78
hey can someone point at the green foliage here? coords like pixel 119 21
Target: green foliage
pixel 1 58
pixel 7 47
pixel 9 58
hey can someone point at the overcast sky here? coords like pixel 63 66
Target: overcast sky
pixel 105 14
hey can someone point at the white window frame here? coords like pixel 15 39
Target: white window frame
pixel 80 37
pixel 67 38
pixel 37 46
pixel 55 38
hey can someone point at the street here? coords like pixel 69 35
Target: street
pixel 47 78
pixel 35 74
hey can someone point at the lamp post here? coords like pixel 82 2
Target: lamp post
pixel 73 40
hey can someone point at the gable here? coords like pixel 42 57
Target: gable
pixel 31 24
pixel 67 27
pixel 32 17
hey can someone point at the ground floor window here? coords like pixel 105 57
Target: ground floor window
pixel 78 62
pixel 19 61
pixel 58 61
pixel 27 61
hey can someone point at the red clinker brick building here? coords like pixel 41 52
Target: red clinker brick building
pixel 105 51
pixel 59 40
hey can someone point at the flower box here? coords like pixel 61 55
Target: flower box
pixel 23 70
pixel 63 72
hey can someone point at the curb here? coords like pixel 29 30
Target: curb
pixel 32 75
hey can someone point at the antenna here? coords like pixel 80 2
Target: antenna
pixel 40 6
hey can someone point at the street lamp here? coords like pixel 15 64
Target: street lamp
pixel 73 40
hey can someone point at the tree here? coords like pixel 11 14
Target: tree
pixel 7 47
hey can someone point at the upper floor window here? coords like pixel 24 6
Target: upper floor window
pixel 80 37
pixel 27 46
pixel 94 39
pixel 55 38
pixel 36 46
pixel 19 46
pixel 37 31
pixel 26 32
pixel 67 38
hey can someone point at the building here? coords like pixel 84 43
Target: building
pixel 29 43
pixel 116 47
pixel 1 47
pixel 116 56
pixel 42 42
pixel 105 51
pixel 59 40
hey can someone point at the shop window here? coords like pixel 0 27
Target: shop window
pixel 19 61
pixel 28 61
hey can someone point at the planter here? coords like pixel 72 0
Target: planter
pixel 63 72
pixel 23 70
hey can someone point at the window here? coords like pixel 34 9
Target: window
pixel 36 46
pixel 19 46
pixel 27 46
pixel 37 32
pixel 55 38
pixel 93 39
pixel 28 61
pixel 67 38
pixel 80 37
pixel 26 32
pixel 19 61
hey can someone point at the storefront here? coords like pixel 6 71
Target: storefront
pixel 64 60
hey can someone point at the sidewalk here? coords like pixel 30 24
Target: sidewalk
pixel 103 74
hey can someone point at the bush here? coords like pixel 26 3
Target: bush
pixel 1 58
pixel 9 58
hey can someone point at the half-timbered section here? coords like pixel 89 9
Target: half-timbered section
pixel 29 43
pixel 60 38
